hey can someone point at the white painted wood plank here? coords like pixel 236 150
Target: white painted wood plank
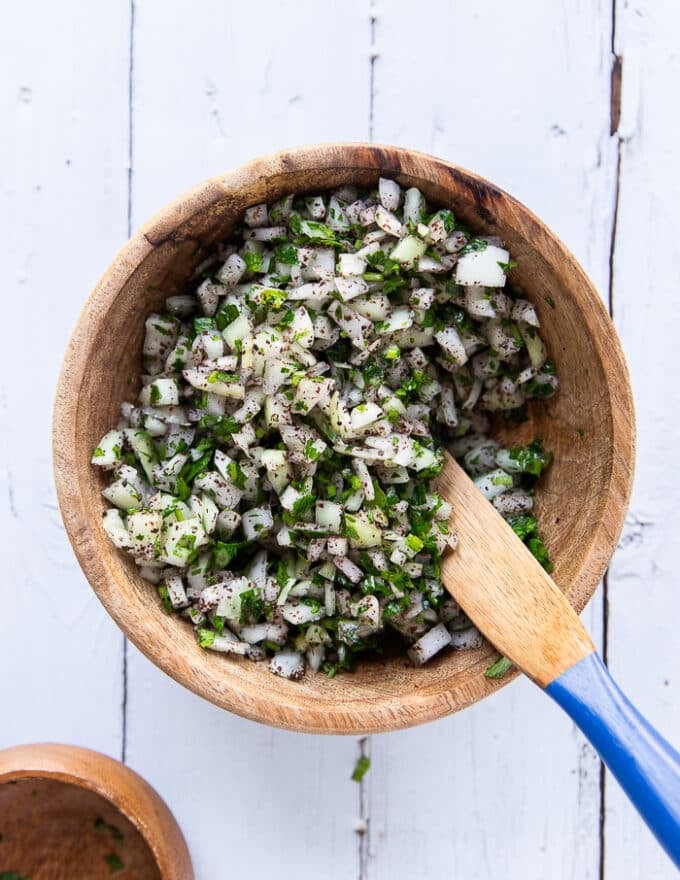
pixel 217 84
pixel 513 91
pixel 520 94
pixel 248 798
pixel 504 789
pixel 214 87
pixel 644 649
pixel 63 209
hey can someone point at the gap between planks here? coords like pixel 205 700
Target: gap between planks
pixel 130 176
pixel 616 85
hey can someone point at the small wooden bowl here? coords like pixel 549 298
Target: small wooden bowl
pixel 589 425
pixel 67 812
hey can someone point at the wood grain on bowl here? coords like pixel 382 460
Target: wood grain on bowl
pixel 589 425
pixel 68 812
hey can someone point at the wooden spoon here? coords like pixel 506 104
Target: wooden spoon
pixel 518 607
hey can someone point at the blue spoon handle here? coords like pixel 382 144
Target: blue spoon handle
pixel 646 766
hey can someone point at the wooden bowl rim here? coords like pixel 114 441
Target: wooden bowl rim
pixel 122 787
pixel 390 714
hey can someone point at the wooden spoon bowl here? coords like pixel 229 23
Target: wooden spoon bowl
pixel 67 812
pixel 589 425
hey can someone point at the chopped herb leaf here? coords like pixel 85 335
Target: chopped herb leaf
pixel 192 468
pixel 203 325
pixel 114 862
pixel 236 475
pixel 526 528
pixel 414 543
pixel 115 832
pixel 539 550
pixel 224 552
pixel 538 389
pixel 302 505
pixel 373 374
pixel 361 768
pixel 448 219
pixel 477 244
pixel 286 320
pixel 349 527
pixel 226 313
pixel 315 230
pixel 164 595
pixel 499 668
pixel 222 376
pixel 532 459
pixel 253 261
pixel 273 296
pixel 311 452
pixel 287 255
pixel 206 637
pixel 252 605
pixel 282 576
pixel 513 330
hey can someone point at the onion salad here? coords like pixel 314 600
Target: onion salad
pixel 274 477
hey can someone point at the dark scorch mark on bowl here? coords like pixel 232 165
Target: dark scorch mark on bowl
pixel 484 195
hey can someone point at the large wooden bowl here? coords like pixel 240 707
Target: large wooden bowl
pixel 589 425
pixel 67 813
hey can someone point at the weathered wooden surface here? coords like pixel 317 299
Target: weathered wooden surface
pixel 519 92
pixel 643 580
pixel 63 212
